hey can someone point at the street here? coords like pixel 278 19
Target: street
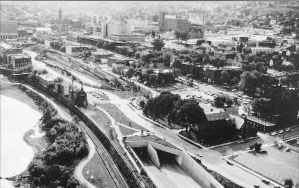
pixel 211 158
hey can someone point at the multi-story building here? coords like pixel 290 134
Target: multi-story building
pixel 161 19
pixel 120 31
pixel 20 62
pixel 144 26
pixel 6 50
pixel 60 14
pixel 172 22
pixel 8 29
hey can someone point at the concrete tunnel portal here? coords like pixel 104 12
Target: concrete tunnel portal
pixel 163 164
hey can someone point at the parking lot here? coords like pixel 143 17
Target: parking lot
pixel 276 164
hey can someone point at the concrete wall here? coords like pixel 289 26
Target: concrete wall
pixel 139 144
pixel 165 148
pixel 198 173
pixel 153 155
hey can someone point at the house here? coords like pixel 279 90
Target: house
pixel 46 80
pixel 63 87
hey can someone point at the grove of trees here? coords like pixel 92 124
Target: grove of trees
pixel 188 114
pixel 54 166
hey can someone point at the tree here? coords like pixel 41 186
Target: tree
pixel 185 35
pixel 221 100
pixel 176 63
pixel 142 104
pixel 166 59
pixel 177 35
pixel 257 147
pixel 190 113
pixel 224 76
pixel 137 55
pixel 288 183
pixel 158 44
pixel 145 57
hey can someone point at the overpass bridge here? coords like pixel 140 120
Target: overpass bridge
pixel 167 166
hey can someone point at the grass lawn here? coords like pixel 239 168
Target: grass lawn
pixel 172 126
pixel 130 94
pixel 95 167
pixel 101 119
pixel 276 164
pixel 125 131
pixel 119 116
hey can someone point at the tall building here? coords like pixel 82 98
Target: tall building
pixel 162 19
pixel 60 14
pixel 172 22
pixel 8 29
pixel 120 31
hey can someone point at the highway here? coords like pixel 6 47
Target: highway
pixel 212 159
pixel 170 175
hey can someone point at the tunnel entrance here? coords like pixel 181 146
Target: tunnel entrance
pixel 166 158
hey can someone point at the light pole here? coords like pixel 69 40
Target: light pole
pixel 245 125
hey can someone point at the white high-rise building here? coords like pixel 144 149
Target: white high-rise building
pixel 120 31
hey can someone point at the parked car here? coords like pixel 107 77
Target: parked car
pixel 281 131
pixel 287 130
pixel 274 133
pixel 265 181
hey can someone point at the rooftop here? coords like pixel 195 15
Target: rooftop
pixel 19 56
pixel 261 121
pixel 101 51
pixel 5 45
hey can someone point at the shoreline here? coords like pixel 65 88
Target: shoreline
pixel 12 91
pixel 34 137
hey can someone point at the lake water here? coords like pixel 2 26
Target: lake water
pixel 16 119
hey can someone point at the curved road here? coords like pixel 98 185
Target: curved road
pixel 79 169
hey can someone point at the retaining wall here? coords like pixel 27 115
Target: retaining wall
pixel 199 174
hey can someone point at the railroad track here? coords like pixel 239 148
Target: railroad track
pixel 111 168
